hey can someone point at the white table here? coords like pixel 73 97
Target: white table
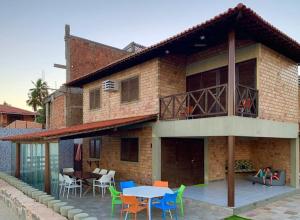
pixel 148 192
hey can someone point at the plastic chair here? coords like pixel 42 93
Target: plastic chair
pixel 96 170
pixel 103 172
pixel 115 198
pixel 112 173
pixel 103 183
pixel 132 204
pixel 179 199
pixel 159 183
pixel 72 184
pixel 61 181
pixel 127 184
pixel 68 170
pixel 167 203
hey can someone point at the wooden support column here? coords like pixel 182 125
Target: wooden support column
pixel 47 169
pixel 231 112
pixel 18 160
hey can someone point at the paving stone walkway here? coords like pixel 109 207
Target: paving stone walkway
pixel 101 208
pixel 284 209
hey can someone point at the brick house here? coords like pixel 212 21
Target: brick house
pixel 13 117
pixel 186 109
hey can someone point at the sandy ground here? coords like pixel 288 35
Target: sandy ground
pixel 6 213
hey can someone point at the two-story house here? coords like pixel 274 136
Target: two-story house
pixel 186 109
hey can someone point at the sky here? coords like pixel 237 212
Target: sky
pixel 32 31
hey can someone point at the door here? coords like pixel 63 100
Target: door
pixel 182 161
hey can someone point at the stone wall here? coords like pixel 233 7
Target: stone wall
pixel 110 102
pixel 278 86
pixel 141 171
pixel 24 207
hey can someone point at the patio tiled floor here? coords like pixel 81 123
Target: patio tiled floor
pixel 101 207
pixel 287 208
pixel 245 192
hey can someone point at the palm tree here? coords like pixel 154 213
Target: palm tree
pixel 37 94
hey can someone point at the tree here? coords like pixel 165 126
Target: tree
pixel 37 94
pixel 5 103
pixel 36 98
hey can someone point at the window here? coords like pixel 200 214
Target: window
pixel 95 98
pixel 95 145
pixel 130 89
pixel 130 149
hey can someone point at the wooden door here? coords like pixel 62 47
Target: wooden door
pixel 182 161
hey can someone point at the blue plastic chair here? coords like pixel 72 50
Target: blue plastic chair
pixel 127 184
pixel 167 203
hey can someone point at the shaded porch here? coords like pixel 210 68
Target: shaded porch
pixel 246 194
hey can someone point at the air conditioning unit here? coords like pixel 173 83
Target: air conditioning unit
pixel 110 85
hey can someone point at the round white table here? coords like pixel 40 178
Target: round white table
pixel 148 192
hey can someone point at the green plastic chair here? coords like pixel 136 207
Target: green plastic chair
pixel 115 198
pixel 179 199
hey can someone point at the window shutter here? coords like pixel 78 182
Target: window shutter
pixel 130 89
pixel 97 98
pixel 134 89
pixel 91 99
pixel 125 90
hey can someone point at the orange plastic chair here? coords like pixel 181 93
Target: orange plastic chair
pixel 161 183
pixel 131 205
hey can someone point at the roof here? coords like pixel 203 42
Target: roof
pixel 244 20
pixel 7 109
pixel 80 129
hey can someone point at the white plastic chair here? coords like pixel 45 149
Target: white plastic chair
pixel 68 170
pixel 61 181
pixel 72 184
pixel 103 183
pixel 112 173
pixel 103 172
pixel 96 170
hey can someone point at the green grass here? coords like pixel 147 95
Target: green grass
pixel 201 185
pixel 235 217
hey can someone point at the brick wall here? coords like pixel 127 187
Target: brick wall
pixel 87 56
pixel 274 153
pixel 24 124
pixel 110 102
pixel 57 113
pixel 262 152
pixel 278 87
pixel 140 172
pixel 28 118
pixel 73 109
pixel 171 75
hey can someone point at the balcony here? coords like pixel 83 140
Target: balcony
pixel 209 102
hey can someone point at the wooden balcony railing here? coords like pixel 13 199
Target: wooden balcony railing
pixel 246 101
pixel 208 102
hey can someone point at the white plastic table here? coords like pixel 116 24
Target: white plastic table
pixel 148 192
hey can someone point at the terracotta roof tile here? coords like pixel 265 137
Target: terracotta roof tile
pixel 13 110
pixel 82 128
pixel 251 17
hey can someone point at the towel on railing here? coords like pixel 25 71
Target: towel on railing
pixel 78 153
